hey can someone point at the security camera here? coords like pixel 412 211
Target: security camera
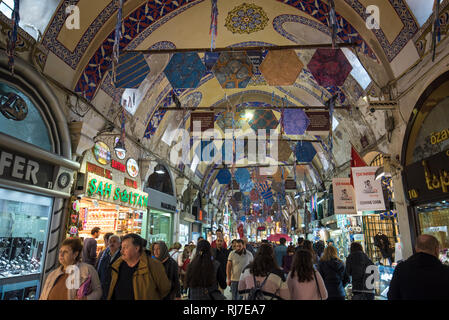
pixel 372 110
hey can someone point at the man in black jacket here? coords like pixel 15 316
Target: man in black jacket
pixel 221 255
pixel 357 265
pixel 422 276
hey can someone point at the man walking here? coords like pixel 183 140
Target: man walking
pixel 135 275
pixel 280 251
pixel 237 261
pixel 221 255
pixel 90 247
pixel 219 234
pixel 422 276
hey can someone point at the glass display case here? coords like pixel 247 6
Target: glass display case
pixel 24 222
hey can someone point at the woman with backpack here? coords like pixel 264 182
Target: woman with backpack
pixel 262 279
pixel 356 267
pixel 203 275
pixel 333 272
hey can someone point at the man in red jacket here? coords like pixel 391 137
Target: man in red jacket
pixel 219 234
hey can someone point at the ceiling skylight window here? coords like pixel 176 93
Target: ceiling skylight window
pixel 34 15
pixel 358 71
pixel 422 9
pixel 335 123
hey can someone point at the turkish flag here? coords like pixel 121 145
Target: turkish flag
pixel 356 161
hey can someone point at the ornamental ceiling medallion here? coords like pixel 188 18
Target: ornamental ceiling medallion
pixel 246 18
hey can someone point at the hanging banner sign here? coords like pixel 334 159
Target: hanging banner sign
pixel 206 119
pixel 368 190
pixel 344 200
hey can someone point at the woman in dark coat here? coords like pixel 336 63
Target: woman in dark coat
pixel 356 267
pixel 160 251
pixel 333 272
pixel 203 275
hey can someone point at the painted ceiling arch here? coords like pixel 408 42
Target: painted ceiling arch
pixel 85 55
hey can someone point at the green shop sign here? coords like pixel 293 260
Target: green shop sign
pixel 105 190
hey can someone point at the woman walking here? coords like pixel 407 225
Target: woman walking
pixel 333 272
pixel 203 276
pixel 89 285
pixel 264 273
pixel 160 251
pixel 304 282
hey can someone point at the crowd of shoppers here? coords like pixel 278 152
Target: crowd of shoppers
pixel 126 270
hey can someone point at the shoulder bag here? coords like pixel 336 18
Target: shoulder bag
pixel 317 286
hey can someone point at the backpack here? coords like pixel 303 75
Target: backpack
pixel 256 292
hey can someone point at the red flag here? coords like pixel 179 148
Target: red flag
pixel 356 161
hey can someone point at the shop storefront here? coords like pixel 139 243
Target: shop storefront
pixel 108 195
pixel 426 161
pixel 36 175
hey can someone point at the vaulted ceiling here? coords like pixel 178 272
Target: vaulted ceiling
pixel 81 60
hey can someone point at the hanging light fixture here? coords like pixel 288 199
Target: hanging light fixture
pixel 159 169
pixel 120 144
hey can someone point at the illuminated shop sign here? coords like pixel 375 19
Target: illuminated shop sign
pixel 119 166
pixel 109 191
pixel 428 179
pixel 99 171
pixel 102 153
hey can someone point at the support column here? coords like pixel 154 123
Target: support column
pixel 403 217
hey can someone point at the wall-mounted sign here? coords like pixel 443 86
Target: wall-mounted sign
pixel 20 168
pixel 440 136
pixel 368 191
pixel 169 207
pixel 206 119
pixel 120 154
pixel 319 121
pixel 13 107
pixel 98 187
pixel 99 171
pixel 119 166
pixel 428 179
pixel 343 191
pixel 102 153
pixel 133 168
pixel 130 183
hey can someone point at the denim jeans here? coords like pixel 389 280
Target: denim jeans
pixel 235 290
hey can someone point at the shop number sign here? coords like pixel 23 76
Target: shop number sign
pixel 107 191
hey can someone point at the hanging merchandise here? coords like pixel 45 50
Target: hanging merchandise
pixel 224 176
pixel 329 67
pixel 253 195
pixel 284 150
pixel 12 39
pixel 118 37
pixel 295 121
pixel 233 70
pixel 305 151
pixel 238 196
pixel 333 22
pixel 436 34
pixel 280 174
pixel 330 104
pixel 213 23
pixel 246 203
pixel 242 175
pixel 210 59
pixel 264 119
pixel 185 70
pixel 246 186
pixel 281 67
pixel 131 70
